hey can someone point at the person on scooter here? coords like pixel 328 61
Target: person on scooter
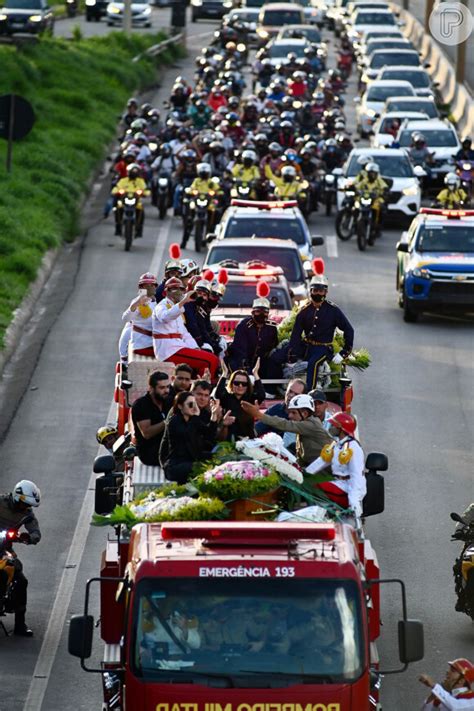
pixel 347 461
pixel 133 183
pixel 16 511
pixel 419 152
pixel 466 151
pixel 452 197
pixel 376 187
pixel 247 171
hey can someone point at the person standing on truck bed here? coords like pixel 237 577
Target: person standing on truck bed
pixel 148 416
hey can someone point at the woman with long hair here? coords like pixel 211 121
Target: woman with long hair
pixel 186 436
pixel 231 392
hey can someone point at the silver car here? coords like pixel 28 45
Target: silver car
pixel 141 13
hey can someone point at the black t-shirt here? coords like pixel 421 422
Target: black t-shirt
pixel 145 409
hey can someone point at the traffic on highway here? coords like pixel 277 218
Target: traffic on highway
pixel 270 404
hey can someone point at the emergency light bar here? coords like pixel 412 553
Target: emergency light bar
pixel 251 532
pixel 263 204
pixel 451 214
pixel 263 272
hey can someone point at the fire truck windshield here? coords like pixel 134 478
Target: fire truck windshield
pixel 308 629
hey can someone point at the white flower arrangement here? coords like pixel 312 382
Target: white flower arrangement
pixel 270 450
pixel 153 506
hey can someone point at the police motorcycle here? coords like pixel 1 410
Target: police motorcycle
pixel 161 193
pixel 366 228
pixel 8 564
pixel 465 170
pixel 198 214
pixel 128 203
pixel 346 218
pixel 463 568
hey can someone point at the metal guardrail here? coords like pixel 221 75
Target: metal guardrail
pixel 156 49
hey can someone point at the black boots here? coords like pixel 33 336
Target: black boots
pixel 21 628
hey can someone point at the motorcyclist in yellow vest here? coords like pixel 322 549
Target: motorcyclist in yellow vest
pixel 246 172
pixel 452 197
pixel 363 161
pixel 203 184
pixel 287 186
pixel 373 184
pixel 131 184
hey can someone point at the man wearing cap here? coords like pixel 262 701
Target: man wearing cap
pixel 346 459
pixel 313 331
pixel 321 407
pixel 455 692
pixel 171 339
pixel 255 337
pixel 173 268
pixel 310 434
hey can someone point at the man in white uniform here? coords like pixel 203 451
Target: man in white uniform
pixel 455 693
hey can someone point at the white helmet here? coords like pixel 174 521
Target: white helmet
pixel 261 303
pixel 203 168
pixel 452 181
pixel 363 160
pixel 301 402
pixel 319 280
pixel 26 492
pixel 288 170
pixel 189 266
pixel 372 168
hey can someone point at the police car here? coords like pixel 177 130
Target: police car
pixel 281 219
pixel 241 290
pixel 435 269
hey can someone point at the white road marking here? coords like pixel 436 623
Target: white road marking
pixel 52 638
pixel 331 245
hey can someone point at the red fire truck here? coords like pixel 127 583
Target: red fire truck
pixel 233 616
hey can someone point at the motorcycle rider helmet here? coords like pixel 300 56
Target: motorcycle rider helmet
pixel 203 170
pixel 26 492
pixel 147 279
pixel 104 432
pixel 452 181
pixel 189 267
pixel 318 98
pixel 301 402
pixel 132 102
pixel 310 51
pixel 189 155
pixel 465 668
pixel 138 125
pixel 203 285
pixel 418 138
pixel 165 150
pixel 275 149
pixel 133 171
pixel 154 116
pixel 145 109
pixel 140 136
pixel 286 126
pixel 466 143
pixel 372 170
pixel 344 422
pixel 248 158
pixel 330 143
pixel 288 173
pixel 173 284
pixel 231 47
pixel 364 160
pixel 232 118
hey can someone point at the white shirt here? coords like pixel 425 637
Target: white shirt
pixel 140 340
pixel 356 485
pixel 159 634
pixel 449 700
pixel 168 318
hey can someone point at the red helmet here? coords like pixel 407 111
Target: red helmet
pixel 465 668
pixel 147 278
pixel 173 283
pixel 344 421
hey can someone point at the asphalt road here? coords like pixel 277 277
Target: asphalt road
pixel 415 403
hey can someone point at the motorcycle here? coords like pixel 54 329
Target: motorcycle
pixel 346 218
pixel 161 194
pixel 71 8
pixel 463 568
pixel 328 192
pixel 128 203
pixel 8 565
pixel 465 170
pixel 344 64
pixel 198 213
pixel 365 225
pixel 242 190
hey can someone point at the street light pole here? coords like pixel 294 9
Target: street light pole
pixel 428 11
pixel 461 55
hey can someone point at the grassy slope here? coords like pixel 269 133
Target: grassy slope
pixel 77 90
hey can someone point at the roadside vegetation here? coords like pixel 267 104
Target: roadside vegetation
pixel 77 89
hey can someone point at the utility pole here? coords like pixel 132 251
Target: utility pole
pixel 461 55
pixel 127 16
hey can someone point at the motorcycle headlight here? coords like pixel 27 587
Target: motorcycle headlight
pixel 466 166
pixel 129 201
pixel 90 3
pixel 202 203
pixel 192 205
pixel 366 201
pixel 421 273
pixel 329 179
pixel 3 18
pixel 350 193
pixel 163 182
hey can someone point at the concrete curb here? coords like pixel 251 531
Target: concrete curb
pixel 442 71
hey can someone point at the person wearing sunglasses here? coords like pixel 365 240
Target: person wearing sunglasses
pixel 231 391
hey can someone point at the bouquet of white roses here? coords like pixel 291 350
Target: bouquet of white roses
pixel 269 450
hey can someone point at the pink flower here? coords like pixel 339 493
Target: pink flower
pixel 219 475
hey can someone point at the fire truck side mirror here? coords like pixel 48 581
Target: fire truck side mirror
pixel 376 461
pixel 105 464
pixel 411 647
pixel 81 630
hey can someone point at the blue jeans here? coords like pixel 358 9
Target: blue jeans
pixel 316 356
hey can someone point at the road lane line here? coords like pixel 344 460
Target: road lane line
pixel 331 246
pixel 52 638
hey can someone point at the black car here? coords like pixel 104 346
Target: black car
pixel 95 9
pixel 31 16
